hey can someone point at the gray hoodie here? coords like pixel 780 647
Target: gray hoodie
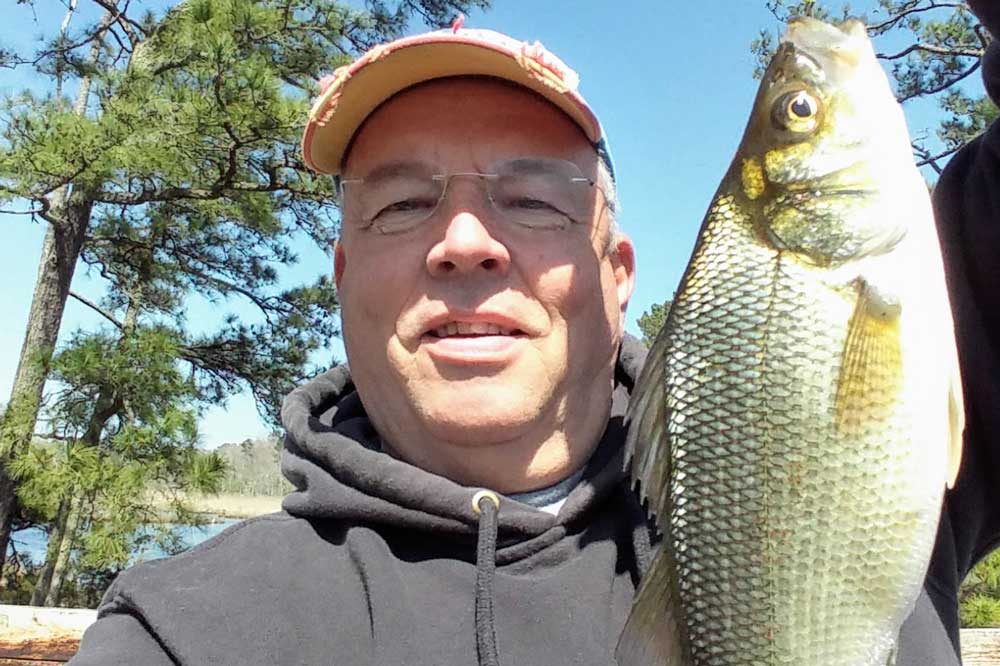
pixel 375 561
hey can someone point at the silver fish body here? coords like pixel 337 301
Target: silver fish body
pixel 800 414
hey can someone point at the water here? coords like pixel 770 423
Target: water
pixel 31 543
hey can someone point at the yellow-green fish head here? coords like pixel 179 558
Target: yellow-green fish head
pixel 826 147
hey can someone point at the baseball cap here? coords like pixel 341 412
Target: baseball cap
pixel 353 92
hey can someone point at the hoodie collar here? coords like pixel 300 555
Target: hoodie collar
pixel 332 456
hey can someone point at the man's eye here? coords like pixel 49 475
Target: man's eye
pixel 528 203
pixel 407 205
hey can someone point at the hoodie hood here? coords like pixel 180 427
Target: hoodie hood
pixel 333 458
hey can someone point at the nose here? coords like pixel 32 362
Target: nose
pixel 467 245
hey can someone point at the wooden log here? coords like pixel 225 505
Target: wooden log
pixel 31 636
pixel 981 647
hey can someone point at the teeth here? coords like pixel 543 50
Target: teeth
pixel 468 328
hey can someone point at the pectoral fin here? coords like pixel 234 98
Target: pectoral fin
pixel 647 448
pixel 871 364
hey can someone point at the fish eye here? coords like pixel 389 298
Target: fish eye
pixel 796 112
pixel 802 106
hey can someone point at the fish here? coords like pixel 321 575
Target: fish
pixel 800 414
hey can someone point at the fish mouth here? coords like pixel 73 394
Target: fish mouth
pixel 845 41
pixel 826 56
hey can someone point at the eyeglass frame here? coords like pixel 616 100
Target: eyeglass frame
pixel 339 183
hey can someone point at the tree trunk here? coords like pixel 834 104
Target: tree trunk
pixel 52 552
pixel 65 550
pixel 60 544
pixel 60 252
pixel 69 218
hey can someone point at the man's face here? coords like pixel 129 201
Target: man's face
pixel 523 389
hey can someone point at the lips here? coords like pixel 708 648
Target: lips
pixel 474 340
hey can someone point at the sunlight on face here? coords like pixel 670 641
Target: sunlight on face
pixel 482 350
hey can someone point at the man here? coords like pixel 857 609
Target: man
pixel 460 491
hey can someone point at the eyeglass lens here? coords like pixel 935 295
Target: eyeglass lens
pixel 532 192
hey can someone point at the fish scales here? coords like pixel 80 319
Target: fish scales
pixel 774 467
pixel 791 431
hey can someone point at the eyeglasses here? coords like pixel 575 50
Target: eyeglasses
pixel 538 193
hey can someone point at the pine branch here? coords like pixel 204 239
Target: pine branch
pixel 98 309
pixel 87 38
pixel 891 23
pixel 147 195
pixel 127 25
pixel 227 125
pixel 926 159
pixel 226 287
pixel 931 48
pixel 33 211
pixel 944 85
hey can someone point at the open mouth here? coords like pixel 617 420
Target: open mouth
pixel 473 330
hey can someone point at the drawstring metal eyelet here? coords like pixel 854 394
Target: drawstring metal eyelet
pixel 480 496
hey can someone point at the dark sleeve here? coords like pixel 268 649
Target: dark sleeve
pixel 988 12
pixel 967 207
pixel 119 638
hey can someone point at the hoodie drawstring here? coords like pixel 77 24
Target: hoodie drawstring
pixel 487 505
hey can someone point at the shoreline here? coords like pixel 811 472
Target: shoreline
pixel 231 505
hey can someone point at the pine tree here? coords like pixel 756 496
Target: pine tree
pixel 980 597
pixel 121 451
pixel 191 118
pixel 653 320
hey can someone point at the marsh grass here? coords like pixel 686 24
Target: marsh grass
pixel 228 505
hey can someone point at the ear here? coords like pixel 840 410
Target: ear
pixel 623 264
pixel 339 262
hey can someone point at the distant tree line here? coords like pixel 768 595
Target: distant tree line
pixel 253 468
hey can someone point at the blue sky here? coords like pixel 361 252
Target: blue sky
pixel 670 80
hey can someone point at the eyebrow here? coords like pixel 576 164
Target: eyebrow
pixel 398 168
pixel 528 166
